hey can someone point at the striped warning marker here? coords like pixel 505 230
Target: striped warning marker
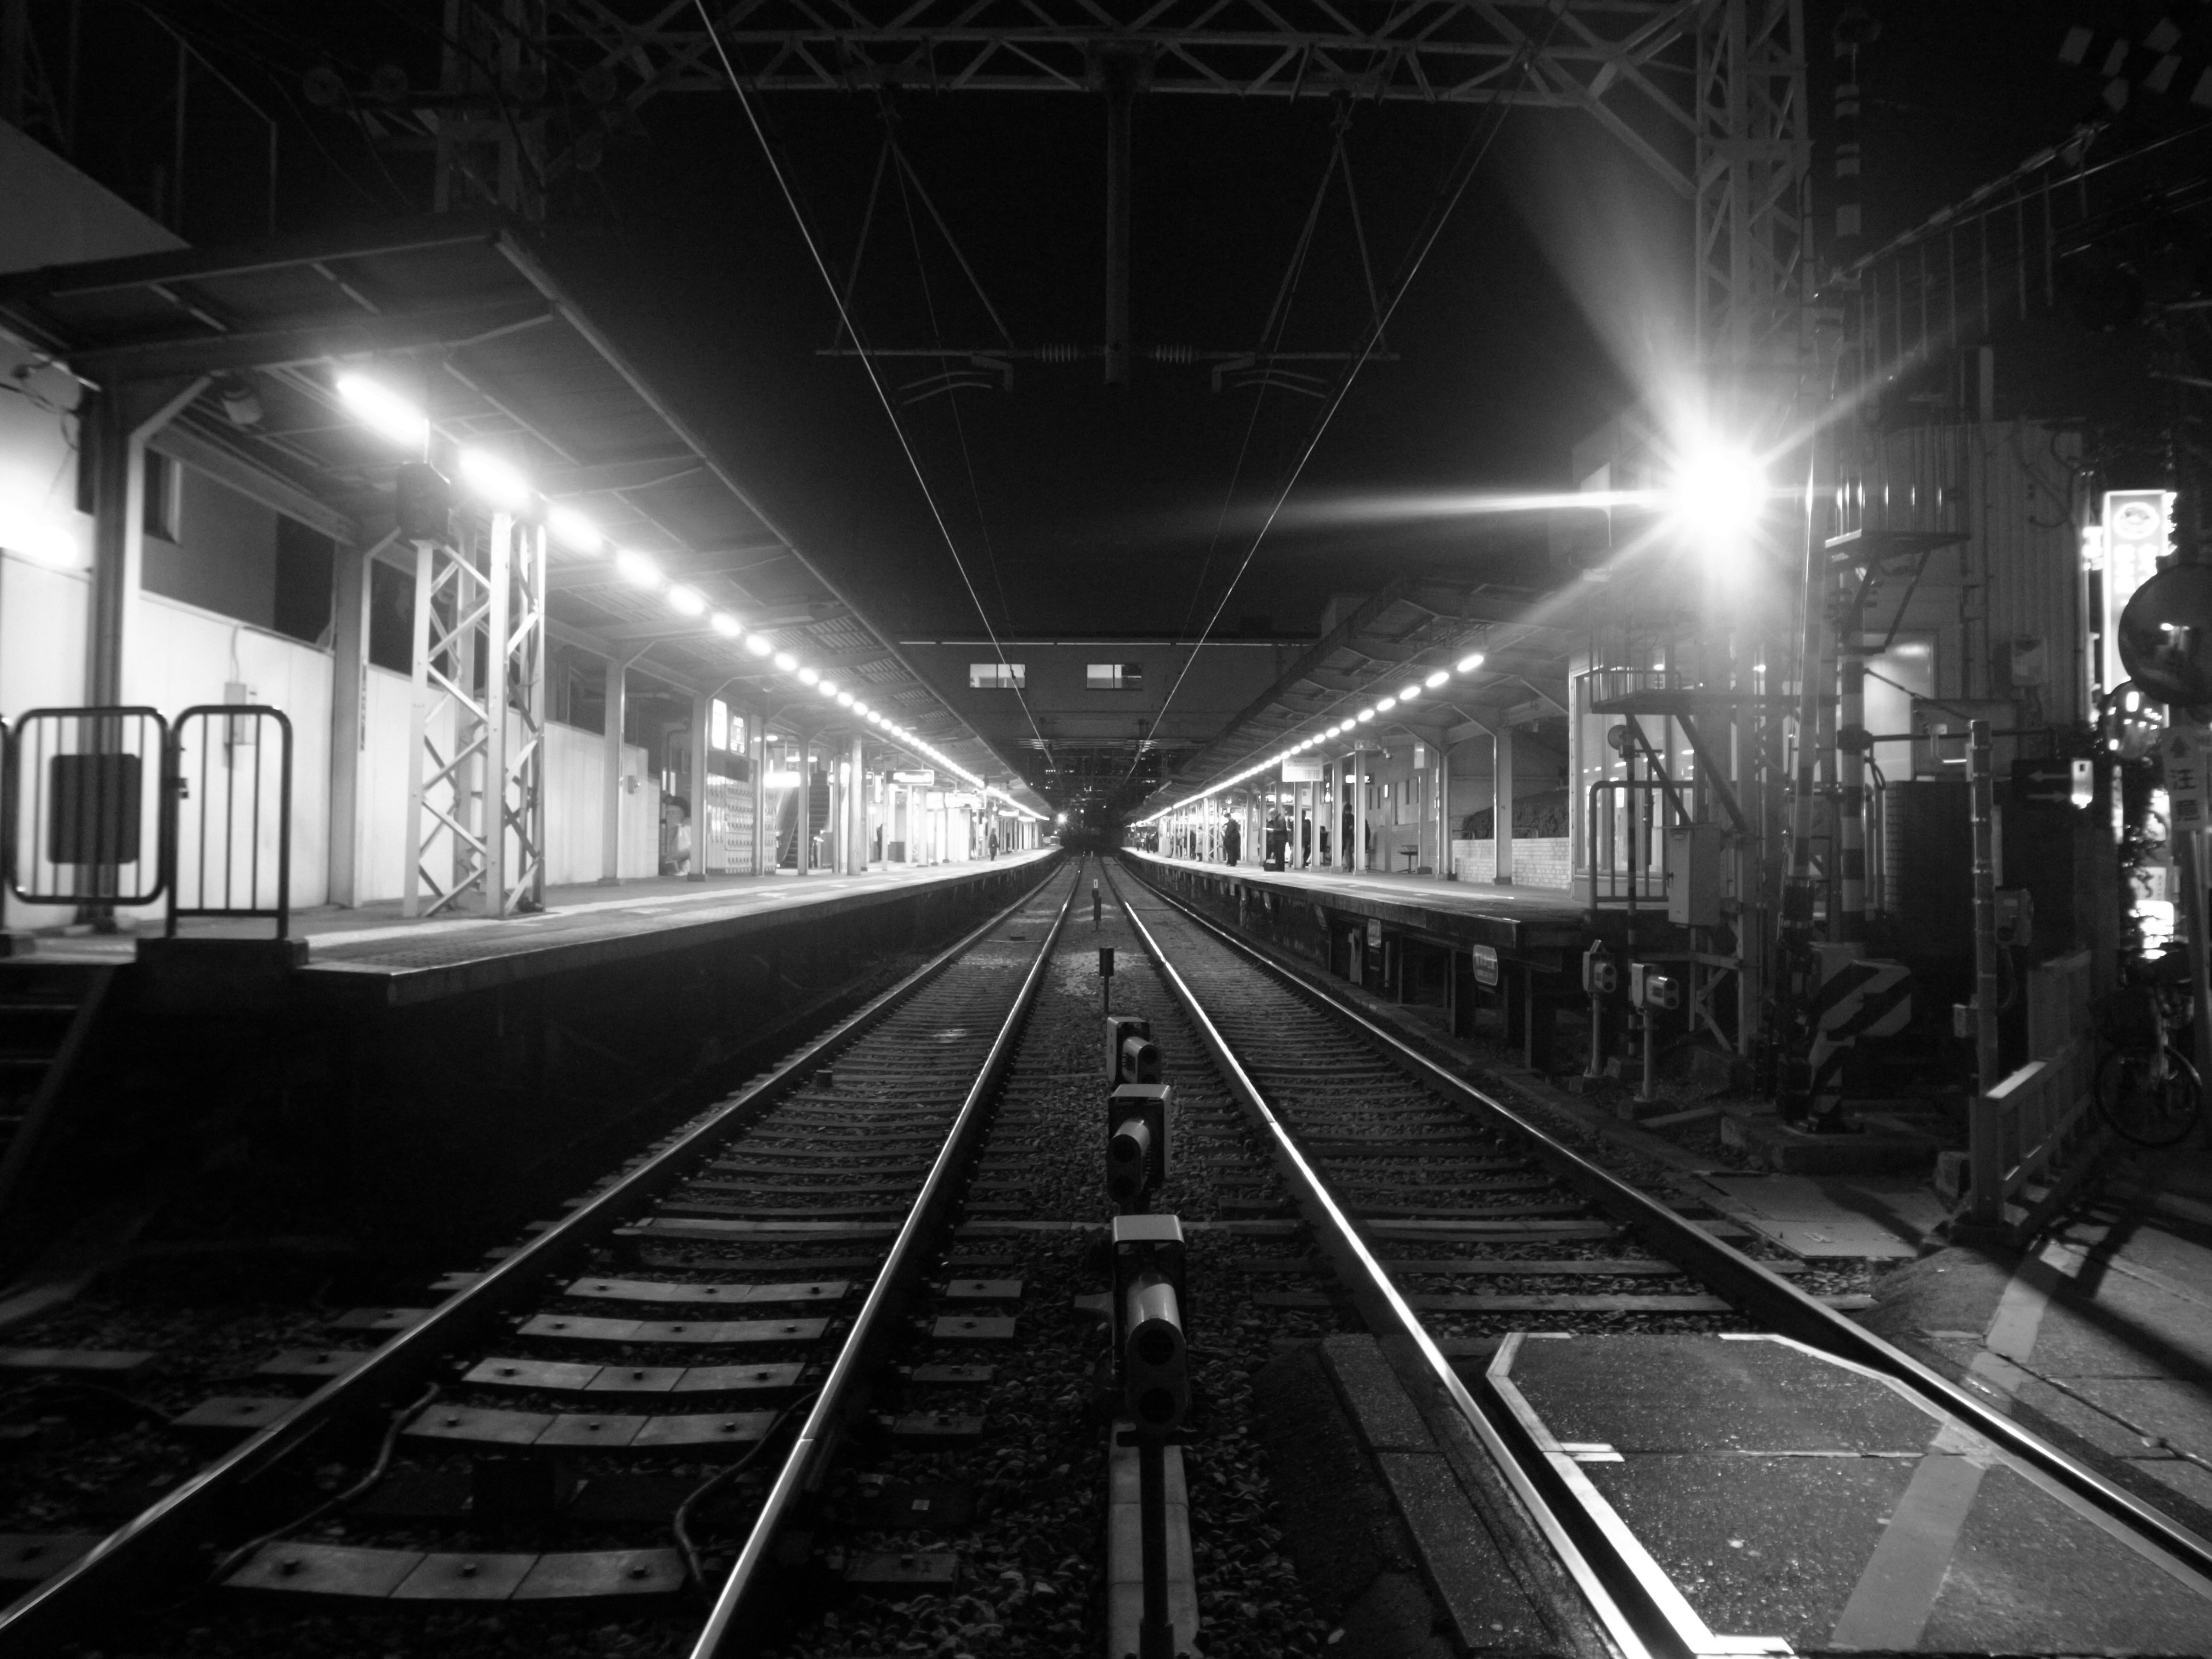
pixel 1860 999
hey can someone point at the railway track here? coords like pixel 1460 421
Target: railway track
pixel 1453 1224
pixel 627 1408
pixel 823 1370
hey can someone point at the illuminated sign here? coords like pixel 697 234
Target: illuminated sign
pixel 922 779
pixel 1301 771
pixel 2137 532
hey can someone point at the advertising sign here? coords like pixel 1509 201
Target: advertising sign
pixel 1302 770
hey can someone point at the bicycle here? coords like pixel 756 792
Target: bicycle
pixel 2148 1091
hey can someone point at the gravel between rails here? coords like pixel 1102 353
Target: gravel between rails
pixel 1033 1563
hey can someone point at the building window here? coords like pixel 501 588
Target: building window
pixel 1114 677
pixel 164 497
pixel 997 676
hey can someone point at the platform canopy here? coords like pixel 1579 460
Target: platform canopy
pixel 463 316
pixel 1405 630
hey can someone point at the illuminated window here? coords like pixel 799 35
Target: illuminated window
pixel 1114 677
pixel 997 676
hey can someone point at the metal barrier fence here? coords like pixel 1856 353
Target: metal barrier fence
pixel 112 808
pixel 84 805
pixel 1622 829
pixel 228 844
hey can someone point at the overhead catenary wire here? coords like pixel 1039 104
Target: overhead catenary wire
pixel 845 319
pixel 1472 159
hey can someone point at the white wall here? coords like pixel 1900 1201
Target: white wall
pixel 575 770
pixel 181 656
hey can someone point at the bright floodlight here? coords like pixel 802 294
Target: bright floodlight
pixel 574 531
pixel 807 677
pixel 844 699
pixel 385 410
pixel 1436 680
pixel 786 661
pixel 1384 707
pixel 1410 692
pixel 1469 663
pixel 1719 492
pixel 687 601
pixel 1366 714
pixel 727 625
pixel 637 569
pixel 827 687
pixel 759 644
pixel 495 480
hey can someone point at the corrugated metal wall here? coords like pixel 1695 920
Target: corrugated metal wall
pixel 2012 486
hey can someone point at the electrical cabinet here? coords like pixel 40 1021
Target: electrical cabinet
pixel 1693 875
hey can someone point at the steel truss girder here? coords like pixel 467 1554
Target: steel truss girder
pixel 1431 51
pixel 1753 175
pixel 481 793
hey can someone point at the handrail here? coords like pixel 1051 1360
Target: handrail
pixel 137 1559
pixel 840 1396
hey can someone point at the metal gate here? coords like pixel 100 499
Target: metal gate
pixel 84 805
pixel 229 828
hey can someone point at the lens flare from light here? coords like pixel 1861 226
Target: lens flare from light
pixel 574 531
pixel 1719 492
pixel 496 480
pixel 384 410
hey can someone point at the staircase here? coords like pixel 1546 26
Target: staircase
pixel 817 816
pixel 47 1012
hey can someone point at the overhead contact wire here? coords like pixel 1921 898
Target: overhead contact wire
pixel 1425 244
pixel 845 318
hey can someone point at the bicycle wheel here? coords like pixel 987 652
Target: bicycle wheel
pixel 2145 1105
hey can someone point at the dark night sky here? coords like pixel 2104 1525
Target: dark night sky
pixel 1079 507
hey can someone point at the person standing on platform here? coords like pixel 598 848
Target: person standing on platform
pixel 1232 842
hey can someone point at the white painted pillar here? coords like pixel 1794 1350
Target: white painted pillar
pixel 1444 810
pixel 349 576
pixel 856 808
pixel 702 713
pixel 1501 797
pixel 616 698
pixel 756 746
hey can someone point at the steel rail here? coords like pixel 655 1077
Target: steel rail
pixel 1739 1279
pixel 1387 1312
pixel 145 1554
pixel 844 1392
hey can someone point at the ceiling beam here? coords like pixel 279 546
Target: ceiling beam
pixel 351 334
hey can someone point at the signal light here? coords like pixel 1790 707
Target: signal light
pixel 1140 1126
pixel 1155 1360
pixel 1121 1029
pixel 1649 989
pixel 1601 974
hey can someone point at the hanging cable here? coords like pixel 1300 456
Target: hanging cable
pixel 937 334
pixel 845 318
pixel 1462 175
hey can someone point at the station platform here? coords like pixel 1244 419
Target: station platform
pixel 372 951
pixel 1528 923
pixel 1780 1500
